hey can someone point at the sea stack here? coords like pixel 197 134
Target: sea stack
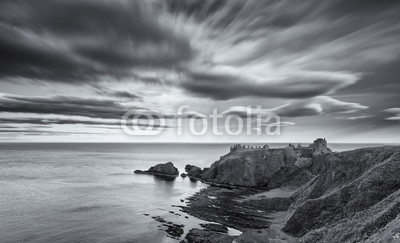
pixel 167 169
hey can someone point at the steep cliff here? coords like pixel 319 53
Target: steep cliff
pixel 351 196
pixel 251 167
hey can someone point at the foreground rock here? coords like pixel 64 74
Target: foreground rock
pixel 226 206
pixel 223 206
pixel 168 170
pixel 206 236
pixel 174 230
pixel 215 227
pixel 351 196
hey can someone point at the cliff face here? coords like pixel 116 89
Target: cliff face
pixel 251 167
pixel 351 196
pixel 354 196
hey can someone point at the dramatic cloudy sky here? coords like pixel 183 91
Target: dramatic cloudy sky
pixel 70 69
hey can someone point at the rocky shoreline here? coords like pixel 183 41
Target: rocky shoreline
pixel 273 195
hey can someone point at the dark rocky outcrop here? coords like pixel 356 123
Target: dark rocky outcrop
pixel 166 170
pixel 174 230
pixel 206 236
pixel 250 167
pixel 215 227
pixel 194 172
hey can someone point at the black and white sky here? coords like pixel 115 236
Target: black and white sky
pixel 69 69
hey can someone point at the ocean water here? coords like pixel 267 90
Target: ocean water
pixel 88 192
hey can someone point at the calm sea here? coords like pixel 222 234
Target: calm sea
pixel 88 192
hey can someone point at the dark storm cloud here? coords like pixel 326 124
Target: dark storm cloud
pixel 312 43
pixel 119 94
pixel 228 84
pixel 114 123
pixel 44 132
pixel 125 94
pixel 89 111
pixel 359 37
pixel 84 40
pixel 58 121
pixel 63 105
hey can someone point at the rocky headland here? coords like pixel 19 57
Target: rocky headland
pixel 303 194
pixel 299 194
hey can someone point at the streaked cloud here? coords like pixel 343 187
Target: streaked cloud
pixel 87 62
pixel 395 114
pixel 298 108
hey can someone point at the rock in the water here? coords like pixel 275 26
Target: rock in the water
pixel 188 167
pixel 140 172
pixel 159 219
pixel 194 171
pixel 184 175
pixel 205 236
pixel 215 227
pixel 167 169
pixel 174 230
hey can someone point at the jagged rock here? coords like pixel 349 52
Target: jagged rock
pixel 193 171
pixel 174 230
pixel 159 219
pixel 205 236
pixel 168 169
pixel 215 227
pixel 250 168
pixel 188 167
